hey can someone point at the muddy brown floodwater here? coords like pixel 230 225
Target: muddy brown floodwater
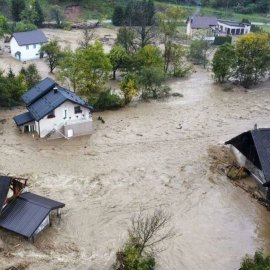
pixel 140 158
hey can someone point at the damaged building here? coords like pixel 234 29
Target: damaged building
pixel 23 212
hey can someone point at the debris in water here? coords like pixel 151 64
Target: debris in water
pixel 101 119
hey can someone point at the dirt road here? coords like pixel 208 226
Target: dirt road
pixel 142 158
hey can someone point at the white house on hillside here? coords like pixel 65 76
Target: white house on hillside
pixel 54 112
pixel 211 26
pixel 26 46
pixel 233 28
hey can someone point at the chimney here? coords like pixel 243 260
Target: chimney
pixel 255 126
pixel 55 89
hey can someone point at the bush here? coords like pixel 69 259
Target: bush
pixel 105 100
pixel 258 262
pixel 219 40
pixel 129 87
pixel 130 259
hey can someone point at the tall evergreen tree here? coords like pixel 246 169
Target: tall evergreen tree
pixel 118 17
pixel 17 6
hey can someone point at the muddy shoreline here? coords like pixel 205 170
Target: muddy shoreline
pixel 105 178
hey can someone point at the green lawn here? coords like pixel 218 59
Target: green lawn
pixel 221 14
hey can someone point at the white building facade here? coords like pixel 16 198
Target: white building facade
pixel 54 112
pixel 233 28
pixel 26 46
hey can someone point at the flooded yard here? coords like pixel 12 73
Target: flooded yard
pixel 145 156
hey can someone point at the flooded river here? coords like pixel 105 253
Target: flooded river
pixel 148 155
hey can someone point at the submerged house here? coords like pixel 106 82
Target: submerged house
pixel 252 151
pixel 24 213
pixel 54 112
pixel 26 46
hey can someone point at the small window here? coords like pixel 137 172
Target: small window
pixel 27 47
pixel 51 115
pixel 77 109
pixel 34 46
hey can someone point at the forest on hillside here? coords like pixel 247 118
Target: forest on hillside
pixel 106 7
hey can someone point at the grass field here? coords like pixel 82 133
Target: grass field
pixel 221 14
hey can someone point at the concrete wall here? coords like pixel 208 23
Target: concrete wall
pixel 189 29
pixel 63 115
pixel 79 129
pixel 26 54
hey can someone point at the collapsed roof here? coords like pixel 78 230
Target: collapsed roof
pixel 255 146
pixel 24 214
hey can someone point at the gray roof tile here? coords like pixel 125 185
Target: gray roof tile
pixel 38 91
pixel 23 118
pixel 199 22
pixel 30 37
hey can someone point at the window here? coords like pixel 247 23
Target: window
pixel 27 47
pixel 77 109
pixel 51 115
pixel 34 46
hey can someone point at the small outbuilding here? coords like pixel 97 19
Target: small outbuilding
pixel 26 46
pixel 252 151
pixel 24 213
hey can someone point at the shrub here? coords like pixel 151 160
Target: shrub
pixel 219 40
pixel 129 87
pixel 105 100
pixel 130 259
pixel 258 262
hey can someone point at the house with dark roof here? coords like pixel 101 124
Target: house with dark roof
pixel 26 46
pixel 252 151
pixel 212 26
pixel 204 23
pixel 23 212
pixel 54 112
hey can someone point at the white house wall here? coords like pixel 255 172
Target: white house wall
pixel 48 124
pixel 26 54
pixel 223 28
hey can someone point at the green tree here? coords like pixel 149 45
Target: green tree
pixel 33 13
pixel 253 58
pixel 198 51
pixel 151 79
pixel 126 38
pixel 3 26
pixel 129 87
pixel 118 57
pixel 53 51
pixel 179 67
pixel 56 13
pixel 94 68
pixel 168 22
pixel 258 262
pixel 11 89
pixel 17 6
pixel 118 18
pixel 223 62
pixel 24 26
pixel 149 55
pixel 70 69
pixel 31 75
pixel 145 232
